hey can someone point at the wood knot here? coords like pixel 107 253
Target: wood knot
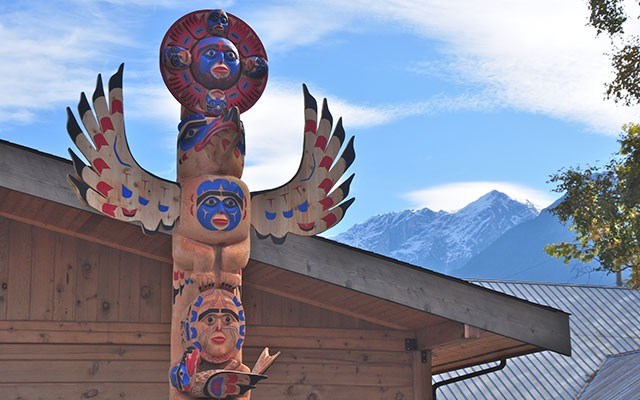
pixel 4 285
pixel 145 292
pixel 90 393
pixel 86 270
pixel 106 306
pixel 313 396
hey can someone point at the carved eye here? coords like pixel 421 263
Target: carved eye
pixel 209 321
pixel 227 320
pixel 190 133
pixel 223 19
pixel 211 201
pixel 210 53
pixel 230 203
pixel 231 55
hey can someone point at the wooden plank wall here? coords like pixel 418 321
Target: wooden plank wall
pixel 81 320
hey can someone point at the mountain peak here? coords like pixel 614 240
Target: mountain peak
pixel 440 240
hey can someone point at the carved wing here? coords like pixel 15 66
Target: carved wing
pixel 114 184
pixel 310 203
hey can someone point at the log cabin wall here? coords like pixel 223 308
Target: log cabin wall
pixel 84 320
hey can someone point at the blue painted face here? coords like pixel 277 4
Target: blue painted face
pixel 216 102
pixel 192 130
pixel 218 23
pixel 177 57
pixel 216 63
pixel 219 205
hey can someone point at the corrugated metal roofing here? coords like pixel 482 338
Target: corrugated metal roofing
pixel 617 379
pixel 604 321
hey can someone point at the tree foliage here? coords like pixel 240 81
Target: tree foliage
pixel 602 207
pixel 609 16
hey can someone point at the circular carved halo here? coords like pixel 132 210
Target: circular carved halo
pixel 178 57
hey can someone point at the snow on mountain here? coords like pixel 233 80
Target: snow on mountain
pixel 440 240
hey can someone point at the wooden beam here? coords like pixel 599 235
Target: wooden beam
pixel 445 334
pixel 307 300
pixel 89 238
pixel 420 289
pixel 422 386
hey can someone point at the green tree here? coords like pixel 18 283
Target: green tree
pixel 610 17
pixel 602 207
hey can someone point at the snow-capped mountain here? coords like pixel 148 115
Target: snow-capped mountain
pixel 440 240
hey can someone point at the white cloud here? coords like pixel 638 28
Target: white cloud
pixel 538 56
pixel 454 196
pixel 49 59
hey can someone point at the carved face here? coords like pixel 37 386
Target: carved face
pixel 215 325
pixel 216 63
pixel 216 102
pixel 176 57
pixel 211 145
pixel 220 205
pixel 255 67
pixel 218 23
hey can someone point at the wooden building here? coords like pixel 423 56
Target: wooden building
pixel 85 305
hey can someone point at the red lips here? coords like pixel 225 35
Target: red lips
pixel 218 339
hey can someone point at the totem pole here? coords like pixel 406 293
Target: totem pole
pixel 216 67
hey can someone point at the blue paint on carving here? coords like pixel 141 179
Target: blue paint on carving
pixel 115 151
pixel 143 201
pixel 288 214
pixel 303 207
pixel 126 192
pixel 270 216
pixel 163 208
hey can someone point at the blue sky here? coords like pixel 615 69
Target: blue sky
pixel 447 100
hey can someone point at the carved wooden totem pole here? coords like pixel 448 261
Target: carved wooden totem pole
pixel 216 67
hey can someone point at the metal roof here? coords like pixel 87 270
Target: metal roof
pixel 617 379
pixel 604 322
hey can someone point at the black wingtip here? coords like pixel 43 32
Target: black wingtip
pixel 345 186
pixel 326 114
pixel 309 100
pixel 275 240
pixel 148 232
pixel 338 132
pixel 345 205
pixel 80 187
pixel 349 153
pixel 99 92
pixel 116 79
pixel 78 164
pixel 278 240
pixel 83 105
pixel 72 125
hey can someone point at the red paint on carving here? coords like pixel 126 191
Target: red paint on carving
pixel 310 126
pixel 307 227
pixel 327 203
pixel 330 220
pixel 109 209
pixel 100 165
pixel 326 185
pixel 129 213
pixel 104 188
pixel 106 124
pixel 326 162
pixel 116 106
pixel 321 142
pixel 100 141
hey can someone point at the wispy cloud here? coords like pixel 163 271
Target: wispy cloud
pixel 49 58
pixel 275 125
pixel 454 196
pixel 537 56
